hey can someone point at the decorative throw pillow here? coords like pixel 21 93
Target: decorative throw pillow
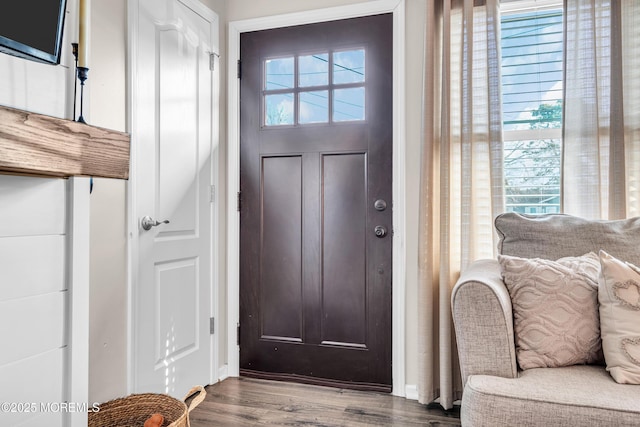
pixel 555 310
pixel 619 296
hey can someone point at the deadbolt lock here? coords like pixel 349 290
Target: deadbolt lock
pixel 380 231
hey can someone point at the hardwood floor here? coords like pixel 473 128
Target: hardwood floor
pixel 249 402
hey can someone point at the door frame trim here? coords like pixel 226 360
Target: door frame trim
pixel 396 7
pixel 131 212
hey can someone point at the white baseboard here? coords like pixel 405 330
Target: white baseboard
pixel 411 392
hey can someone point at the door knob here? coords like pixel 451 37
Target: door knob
pixel 380 231
pixel 147 222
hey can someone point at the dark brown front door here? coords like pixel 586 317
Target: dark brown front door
pixel 316 214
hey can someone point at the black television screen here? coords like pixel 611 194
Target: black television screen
pixel 32 29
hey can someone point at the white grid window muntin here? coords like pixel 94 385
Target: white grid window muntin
pixel 314 88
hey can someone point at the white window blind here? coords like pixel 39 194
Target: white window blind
pixel 532 61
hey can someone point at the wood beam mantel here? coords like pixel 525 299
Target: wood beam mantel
pixel 35 144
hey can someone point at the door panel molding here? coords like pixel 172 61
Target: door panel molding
pixel 396 7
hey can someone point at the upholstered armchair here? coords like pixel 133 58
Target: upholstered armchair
pixel 498 392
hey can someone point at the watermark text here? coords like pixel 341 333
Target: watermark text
pixel 42 407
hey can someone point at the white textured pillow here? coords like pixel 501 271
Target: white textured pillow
pixel 555 309
pixel 619 296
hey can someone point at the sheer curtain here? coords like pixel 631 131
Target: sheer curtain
pixel 462 179
pixel 601 156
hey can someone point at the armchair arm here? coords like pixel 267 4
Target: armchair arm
pixel 483 321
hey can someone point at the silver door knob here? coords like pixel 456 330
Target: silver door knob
pixel 147 222
pixel 380 231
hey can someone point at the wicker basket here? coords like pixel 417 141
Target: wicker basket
pixel 134 410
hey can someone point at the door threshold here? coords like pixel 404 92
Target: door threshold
pixel 326 382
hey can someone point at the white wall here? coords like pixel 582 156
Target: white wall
pixel 106 91
pixel 415 21
pixel 414 34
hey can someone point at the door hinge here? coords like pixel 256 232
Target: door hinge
pixel 212 325
pixel 239 69
pixel 212 194
pixel 239 201
pixel 238 334
pixel 212 61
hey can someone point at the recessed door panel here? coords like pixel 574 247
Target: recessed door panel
pixel 177 130
pixel 177 309
pixel 281 281
pixel 344 266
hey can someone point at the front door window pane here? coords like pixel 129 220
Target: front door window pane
pixel 348 66
pixel 313 70
pixel 279 73
pixel 279 109
pixel 348 104
pixel 314 107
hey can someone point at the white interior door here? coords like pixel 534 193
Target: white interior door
pixel 172 181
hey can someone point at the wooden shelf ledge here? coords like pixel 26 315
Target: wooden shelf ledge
pixel 39 145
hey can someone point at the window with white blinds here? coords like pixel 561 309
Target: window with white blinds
pixel 532 61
